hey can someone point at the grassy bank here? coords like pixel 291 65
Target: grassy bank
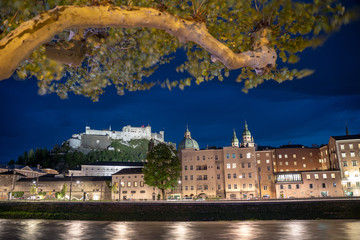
pixel 192 211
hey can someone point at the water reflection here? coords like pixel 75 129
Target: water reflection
pixel 245 230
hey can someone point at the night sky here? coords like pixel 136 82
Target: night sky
pixel 306 111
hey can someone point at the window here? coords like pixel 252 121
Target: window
pixel 346 173
pixel 244 185
pixel 269 177
pixel 267 154
pixel 241 155
pixel 324 176
pixel 351 146
pixel 268 168
pixel 206 187
pixel 289 186
pixel 295 163
pixel 265 187
pixel 357 184
pixel 227 155
pixel 280 163
pixel 354 163
pixel 310 153
pixel 218 166
pixel 304 165
pixel 316 176
pixel 267 161
pixel 308 176
pixel 249 175
pixel 191 177
pixel 235 186
pixel 281 186
pixel 233 155
pixel 205 177
pixel 242 165
pixel 249 165
pixel 274 163
pixel 258 162
pixel 310 185
pixel 234 165
pixel 345 163
pixel 286 163
pixel 294 155
pixel 352 154
pixel 280 156
pixel 323 185
pixel 349 184
pixel 286 156
pixel 342 147
pixel 258 154
pixel 191 167
pixel 243 175
pixel 248 155
pixel 135 184
pixel 141 183
pixel 297 186
pixel 216 157
pixel 333 175
pixel 142 191
pixel 259 169
pixel 219 187
pixel 229 186
pixel 129 184
pixel 229 176
pixel 343 155
pixel 185 167
pixel 203 157
pixel 234 175
pixel 197 158
pixel 250 185
pixel 186 177
pixel 334 184
pixel 192 188
pixel 228 166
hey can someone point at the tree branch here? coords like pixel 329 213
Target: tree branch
pixel 21 42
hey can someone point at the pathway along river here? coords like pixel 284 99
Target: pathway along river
pixel 294 230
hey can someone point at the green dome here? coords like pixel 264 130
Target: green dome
pixel 188 142
pixel 246 131
pixel 234 139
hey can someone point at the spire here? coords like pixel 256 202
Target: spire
pixel 187 132
pixel 347 130
pixel 234 140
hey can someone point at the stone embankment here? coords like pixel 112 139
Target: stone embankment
pixel 184 211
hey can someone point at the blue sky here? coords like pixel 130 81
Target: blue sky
pixel 306 111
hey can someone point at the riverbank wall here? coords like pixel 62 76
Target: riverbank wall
pixel 182 211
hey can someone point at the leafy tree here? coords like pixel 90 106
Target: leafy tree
pixel 62 193
pixel 33 189
pixel 65 46
pixel 162 169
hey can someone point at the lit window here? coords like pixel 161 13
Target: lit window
pixel 303 158
pixel 333 175
pixel 258 162
pixel 267 161
pixel 234 165
pixel 286 156
pixel 129 184
pixel 316 176
pixel 346 173
pixel 343 154
pixel 280 163
pixel 304 165
pixel 280 156
pixel 308 176
pixel 320 161
pixel 286 163
pixel 349 184
pixel 351 146
pixel 228 165
pixel 258 154
pixel 248 155
pixel 342 147
pixel 324 176
pixel 294 155
pixel 295 163
pixel 274 163
pixel 310 153
pixel 345 163
pixel 267 154
pixel 354 163
pixel 352 154
pixel 135 184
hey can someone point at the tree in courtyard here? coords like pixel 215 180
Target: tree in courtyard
pixel 162 169
pixel 83 46
pixel 33 189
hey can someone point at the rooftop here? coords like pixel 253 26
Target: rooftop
pixel 52 178
pixel 140 164
pixel 129 171
pixel 346 137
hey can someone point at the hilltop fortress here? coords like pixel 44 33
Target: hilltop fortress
pixel 101 139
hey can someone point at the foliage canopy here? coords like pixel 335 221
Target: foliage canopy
pixel 124 57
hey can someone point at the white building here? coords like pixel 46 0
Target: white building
pixel 104 168
pixel 128 133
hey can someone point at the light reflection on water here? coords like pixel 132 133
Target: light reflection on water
pixel 245 230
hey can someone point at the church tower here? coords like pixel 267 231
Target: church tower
pixel 234 140
pixel 248 141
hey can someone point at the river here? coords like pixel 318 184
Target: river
pixel 245 230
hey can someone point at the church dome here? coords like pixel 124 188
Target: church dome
pixel 246 131
pixel 188 142
pixel 234 140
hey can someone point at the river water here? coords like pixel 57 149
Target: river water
pixel 279 230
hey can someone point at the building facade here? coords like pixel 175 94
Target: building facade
pixel 103 168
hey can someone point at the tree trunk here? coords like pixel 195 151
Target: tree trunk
pixel 21 42
pixel 163 194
